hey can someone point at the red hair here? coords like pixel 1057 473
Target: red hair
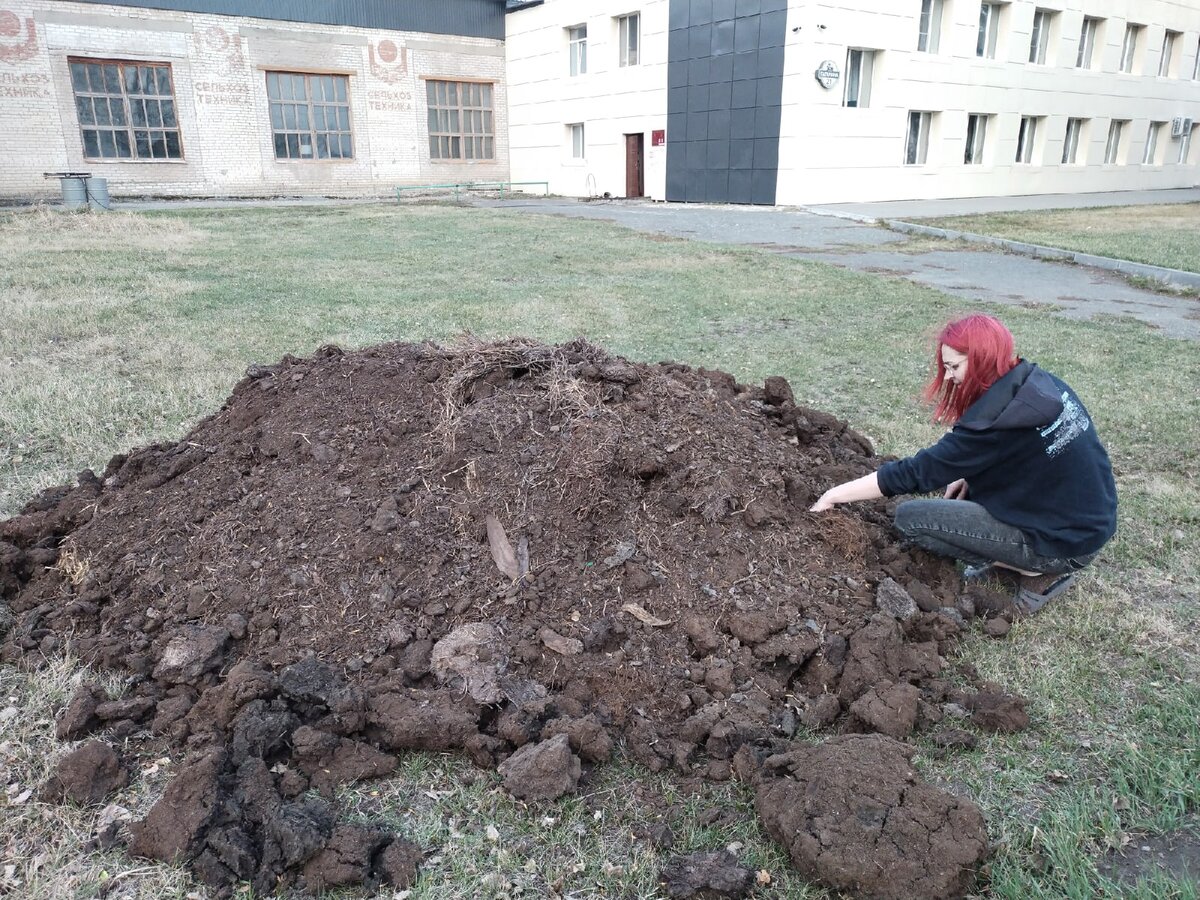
pixel 988 347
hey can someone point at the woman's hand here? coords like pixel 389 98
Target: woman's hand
pixel 865 488
pixel 957 490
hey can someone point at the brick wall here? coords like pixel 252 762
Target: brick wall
pixel 218 66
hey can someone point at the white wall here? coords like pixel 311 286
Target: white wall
pixel 611 101
pixel 831 153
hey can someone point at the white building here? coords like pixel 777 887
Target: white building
pixel 768 102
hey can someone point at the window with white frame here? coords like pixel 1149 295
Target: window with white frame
pixel 1039 37
pixel 1116 137
pixel 929 32
pixel 860 70
pixel 916 144
pixel 1196 64
pixel 460 120
pixel 1025 139
pixel 126 109
pixel 1087 42
pixel 629 39
pixel 1185 145
pixel 1153 133
pixel 1070 155
pixel 1129 46
pixel 577 48
pixel 310 116
pixel 1170 39
pixel 976 137
pixel 989 29
pixel 578 146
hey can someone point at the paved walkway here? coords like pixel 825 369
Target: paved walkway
pixel 1077 291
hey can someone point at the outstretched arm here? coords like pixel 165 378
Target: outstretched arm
pixel 865 488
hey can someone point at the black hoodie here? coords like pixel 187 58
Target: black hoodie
pixel 1031 457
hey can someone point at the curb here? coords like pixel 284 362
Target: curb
pixel 1175 277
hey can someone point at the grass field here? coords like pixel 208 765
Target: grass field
pixel 1162 235
pixel 124 329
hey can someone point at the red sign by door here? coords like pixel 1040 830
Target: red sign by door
pixel 658 137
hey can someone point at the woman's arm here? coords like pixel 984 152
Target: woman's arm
pixel 865 488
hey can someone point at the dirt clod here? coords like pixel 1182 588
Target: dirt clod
pixel 542 771
pixel 706 876
pixel 86 775
pixel 853 814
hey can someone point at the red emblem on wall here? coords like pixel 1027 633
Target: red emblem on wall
pixel 658 137
pixel 388 62
pixel 17 44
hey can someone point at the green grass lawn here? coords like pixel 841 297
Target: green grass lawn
pixel 1162 235
pixel 123 329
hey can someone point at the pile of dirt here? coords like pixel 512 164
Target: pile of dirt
pixel 523 552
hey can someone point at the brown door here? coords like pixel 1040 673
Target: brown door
pixel 634 163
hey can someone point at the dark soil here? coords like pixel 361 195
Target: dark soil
pixel 498 547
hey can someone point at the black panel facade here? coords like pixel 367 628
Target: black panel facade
pixel 725 87
pixel 469 18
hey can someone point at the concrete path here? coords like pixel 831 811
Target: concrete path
pixel 1077 291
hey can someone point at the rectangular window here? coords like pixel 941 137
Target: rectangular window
pixel 989 28
pixel 1039 38
pixel 1116 135
pixel 916 145
pixel 1071 141
pixel 577 49
pixel 629 39
pixel 1185 144
pixel 930 29
pixel 310 116
pixel 1150 155
pixel 1087 42
pixel 460 120
pixel 1170 39
pixel 860 69
pixel 1196 64
pixel 976 136
pixel 578 146
pixel 1025 139
pixel 126 109
pixel 1129 47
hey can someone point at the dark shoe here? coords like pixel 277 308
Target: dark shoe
pixel 1035 591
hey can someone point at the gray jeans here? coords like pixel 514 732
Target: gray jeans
pixel 965 530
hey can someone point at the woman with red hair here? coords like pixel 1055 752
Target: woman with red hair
pixel 1022 448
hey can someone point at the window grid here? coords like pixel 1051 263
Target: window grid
pixel 1150 154
pixel 916 144
pixel 1116 133
pixel 461 125
pixel 310 116
pixel 1071 141
pixel 976 137
pixel 1129 47
pixel 1039 38
pixel 1087 42
pixel 629 39
pixel 577 44
pixel 1170 39
pixel 989 28
pixel 1025 139
pixel 930 28
pixel 860 70
pixel 126 110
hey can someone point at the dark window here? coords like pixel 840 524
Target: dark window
pixel 310 116
pixel 126 110
pixel 460 120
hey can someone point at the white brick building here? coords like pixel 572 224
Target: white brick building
pixel 175 102
pixel 921 98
